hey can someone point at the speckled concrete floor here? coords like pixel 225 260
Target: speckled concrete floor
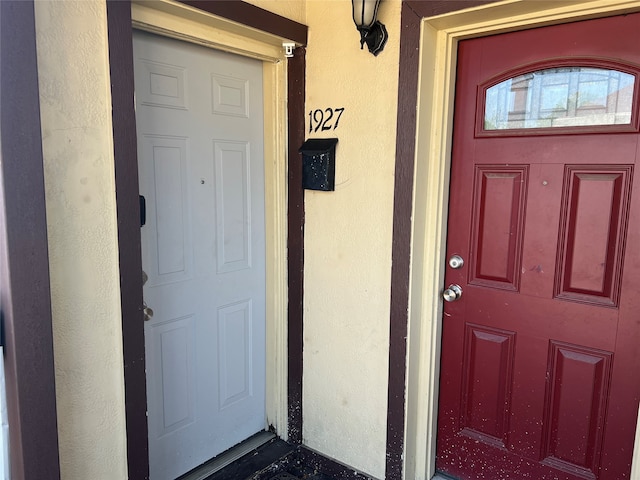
pixel 273 460
pixel 289 476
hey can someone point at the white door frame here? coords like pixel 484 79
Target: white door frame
pixel 179 21
pixel 436 86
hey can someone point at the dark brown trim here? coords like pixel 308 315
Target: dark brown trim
pixel 127 208
pixel 295 241
pixel 413 12
pixel 401 244
pixel 124 137
pixel 25 291
pixel 253 16
pixel 432 8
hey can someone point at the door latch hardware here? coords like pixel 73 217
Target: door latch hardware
pixel 456 261
pixel 148 312
pixel 453 293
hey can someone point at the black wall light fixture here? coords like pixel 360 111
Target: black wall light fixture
pixel 372 32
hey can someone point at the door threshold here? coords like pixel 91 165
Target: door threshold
pixel 442 476
pixel 228 457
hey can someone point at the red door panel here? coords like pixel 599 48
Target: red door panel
pixel 540 371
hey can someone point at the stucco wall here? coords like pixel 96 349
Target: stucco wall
pixel 347 246
pixel 79 180
pixel 348 236
pixel 348 240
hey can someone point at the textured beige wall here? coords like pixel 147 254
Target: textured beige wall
pixel 348 235
pixel 347 249
pixel 348 240
pixel 79 179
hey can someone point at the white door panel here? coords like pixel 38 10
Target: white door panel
pixel 200 154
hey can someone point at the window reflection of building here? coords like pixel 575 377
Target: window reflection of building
pixel 560 97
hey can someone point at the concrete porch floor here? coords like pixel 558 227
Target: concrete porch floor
pixel 276 459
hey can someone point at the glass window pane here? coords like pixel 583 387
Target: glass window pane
pixel 560 97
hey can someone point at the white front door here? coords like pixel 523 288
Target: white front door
pixel 199 115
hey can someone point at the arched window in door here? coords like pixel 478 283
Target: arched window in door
pixel 562 97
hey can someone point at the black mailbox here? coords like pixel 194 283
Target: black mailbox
pixel 319 164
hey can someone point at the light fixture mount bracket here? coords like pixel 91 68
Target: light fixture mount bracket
pixel 375 37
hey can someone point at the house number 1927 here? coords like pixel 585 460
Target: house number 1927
pixel 327 119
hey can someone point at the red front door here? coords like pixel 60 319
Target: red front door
pixel 540 372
